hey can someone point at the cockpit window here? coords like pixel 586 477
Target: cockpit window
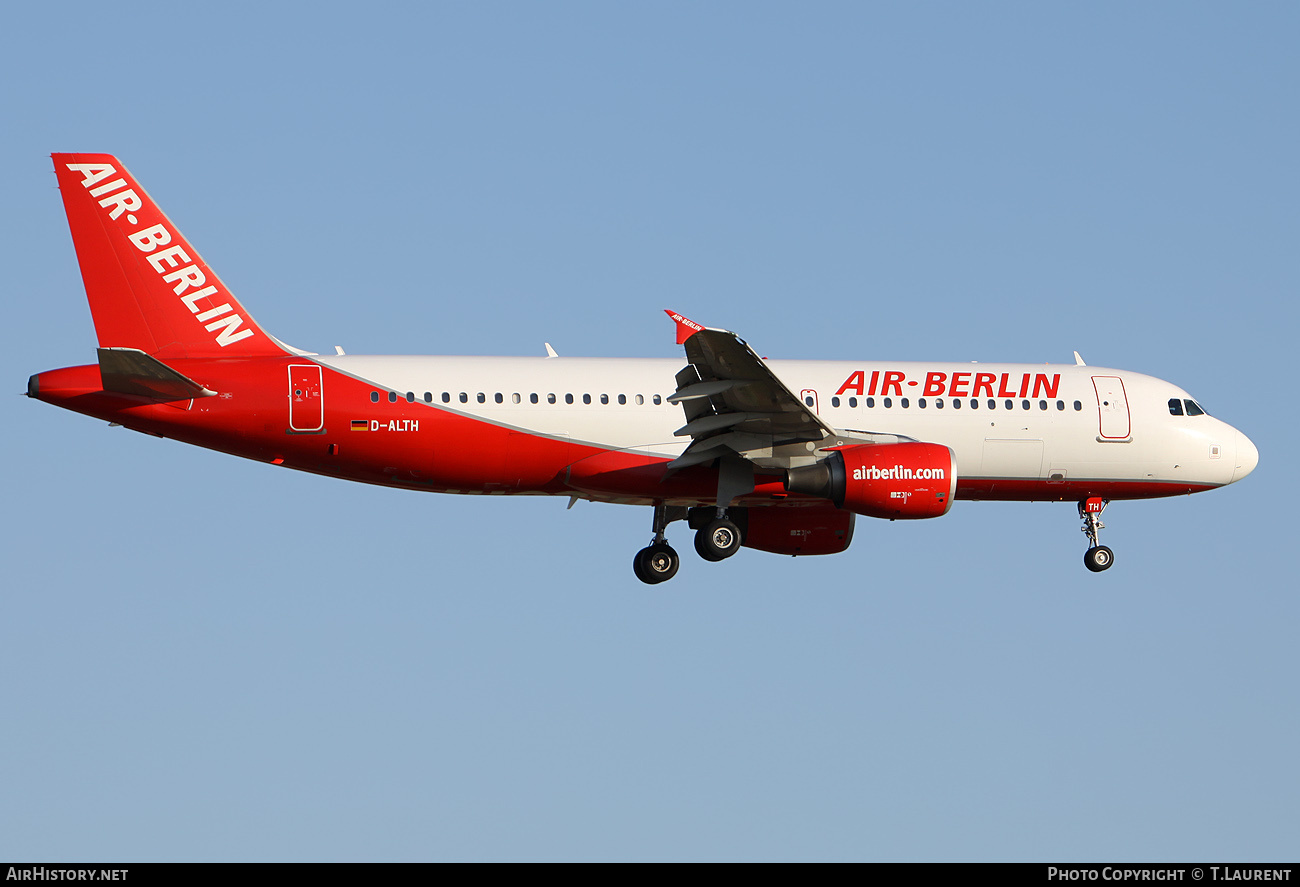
pixel 1194 408
pixel 1175 407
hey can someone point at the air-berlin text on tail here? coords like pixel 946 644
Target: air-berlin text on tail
pixel 118 199
pixel 936 384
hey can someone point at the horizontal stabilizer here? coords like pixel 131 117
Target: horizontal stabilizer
pixel 131 371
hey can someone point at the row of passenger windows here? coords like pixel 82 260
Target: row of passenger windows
pixel 1193 408
pixel 498 397
pixel 939 403
pixel 623 399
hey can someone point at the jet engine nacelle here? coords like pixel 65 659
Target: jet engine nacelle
pixel 903 481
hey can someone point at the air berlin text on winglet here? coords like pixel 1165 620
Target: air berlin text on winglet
pixel 959 385
pixel 190 276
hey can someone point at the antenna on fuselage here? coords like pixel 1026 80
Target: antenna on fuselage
pixel 1078 361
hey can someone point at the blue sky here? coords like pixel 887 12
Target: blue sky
pixel 206 658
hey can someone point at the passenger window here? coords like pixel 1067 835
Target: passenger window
pixel 532 398
pixel 938 403
pixel 835 401
pixel 586 398
pixel 497 397
pixel 446 397
pixel 658 400
pixel 515 398
pixel 888 402
pixel 640 400
pixel 974 404
pixel 1175 407
pixel 956 404
pixel 464 398
pixel 482 398
pixel 622 399
pixel 871 402
pixel 921 403
pixel 604 398
pixel 392 397
pixel 1011 404
pixel 903 403
pixel 1194 408
pixel 1060 404
pixel 1024 404
pixel 374 397
pixel 568 398
pixel 1078 405
pixel 410 397
pixel 993 404
pixel 853 402
pixel 1042 404
pixel 550 398
pixel 428 397
pixel 808 400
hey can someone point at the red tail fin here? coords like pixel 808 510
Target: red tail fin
pixel 148 288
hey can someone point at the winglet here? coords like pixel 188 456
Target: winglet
pixel 685 326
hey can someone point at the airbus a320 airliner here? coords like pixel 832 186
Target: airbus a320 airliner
pixel 778 456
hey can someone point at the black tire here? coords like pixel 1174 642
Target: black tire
pixel 637 568
pixel 656 563
pixel 1098 559
pixel 717 540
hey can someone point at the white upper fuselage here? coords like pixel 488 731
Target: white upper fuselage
pixel 1020 421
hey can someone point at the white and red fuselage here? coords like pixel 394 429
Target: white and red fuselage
pixel 595 428
pixel 519 425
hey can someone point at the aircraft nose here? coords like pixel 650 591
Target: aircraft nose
pixel 1247 457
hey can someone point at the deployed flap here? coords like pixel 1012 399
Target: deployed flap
pixel 131 371
pixel 733 402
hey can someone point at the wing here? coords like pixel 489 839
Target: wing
pixel 733 403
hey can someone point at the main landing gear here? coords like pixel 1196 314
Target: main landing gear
pixel 717 537
pixel 658 561
pixel 1097 557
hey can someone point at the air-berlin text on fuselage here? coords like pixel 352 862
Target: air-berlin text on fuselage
pixel 936 384
pixel 119 199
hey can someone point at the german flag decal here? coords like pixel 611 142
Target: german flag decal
pixel 360 424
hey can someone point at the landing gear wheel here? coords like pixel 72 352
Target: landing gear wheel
pixel 656 563
pixel 717 540
pixel 1098 559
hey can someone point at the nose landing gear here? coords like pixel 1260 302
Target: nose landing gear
pixel 1098 557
